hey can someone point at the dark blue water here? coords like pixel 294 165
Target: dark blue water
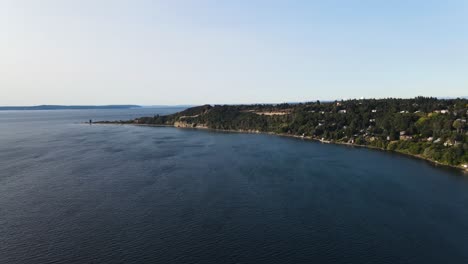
pixel 76 193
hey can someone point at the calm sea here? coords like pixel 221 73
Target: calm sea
pixel 78 193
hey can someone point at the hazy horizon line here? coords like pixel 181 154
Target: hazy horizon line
pixel 252 103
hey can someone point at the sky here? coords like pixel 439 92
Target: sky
pixel 227 52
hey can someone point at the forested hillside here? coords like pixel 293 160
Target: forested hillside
pixel 428 127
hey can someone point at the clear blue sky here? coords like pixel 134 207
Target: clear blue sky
pixel 246 51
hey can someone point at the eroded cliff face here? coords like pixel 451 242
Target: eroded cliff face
pixel 184 124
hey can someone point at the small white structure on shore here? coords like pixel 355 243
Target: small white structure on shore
pixel 448 143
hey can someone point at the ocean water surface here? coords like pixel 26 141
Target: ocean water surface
pixel 78 193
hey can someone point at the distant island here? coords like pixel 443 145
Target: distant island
pixel 67 107
pixel 425 127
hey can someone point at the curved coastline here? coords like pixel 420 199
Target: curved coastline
pixel 433 162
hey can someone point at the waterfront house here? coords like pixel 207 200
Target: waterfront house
pixel 405 137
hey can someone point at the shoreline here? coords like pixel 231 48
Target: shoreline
pixel 436 163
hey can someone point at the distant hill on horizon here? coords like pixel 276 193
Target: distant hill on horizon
pixel 67 107
pixel 83 107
